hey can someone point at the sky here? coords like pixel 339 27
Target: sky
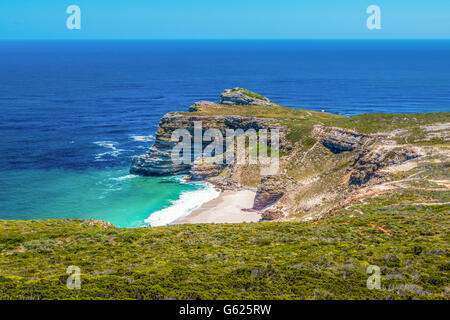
pixel 224 19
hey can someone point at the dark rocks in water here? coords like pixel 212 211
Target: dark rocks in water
pixel 157 162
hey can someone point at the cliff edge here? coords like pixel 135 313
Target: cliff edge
pixel 327 161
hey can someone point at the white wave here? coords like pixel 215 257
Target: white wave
pixel 182 179
pixel 109 145
pixel 143 138
pixel 106 144
pixel 129 176
pixel 188 202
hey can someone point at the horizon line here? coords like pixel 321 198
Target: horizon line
pixel 215 39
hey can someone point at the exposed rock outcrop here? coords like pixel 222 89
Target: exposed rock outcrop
pixel 206 168
pixel 94 222
pixel 323 165
pixel 338 140
pixel 223 183
pixel 158 159
pixel 240 96
pixel 369 162
pixel 269 191
pixel 272 214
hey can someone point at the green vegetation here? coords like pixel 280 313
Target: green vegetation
pixel 273 112
pixel 322 260
pixel 300 122
pixel 248 93
pixel 385 122
pixel 365 123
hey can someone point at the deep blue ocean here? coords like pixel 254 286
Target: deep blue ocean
pixel 73 113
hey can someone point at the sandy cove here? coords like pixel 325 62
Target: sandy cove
pixel 226 208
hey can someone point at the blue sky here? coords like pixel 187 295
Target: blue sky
pixel 224 19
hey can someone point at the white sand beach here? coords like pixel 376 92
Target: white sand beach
pixel 227 208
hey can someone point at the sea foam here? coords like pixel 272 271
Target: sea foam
pixel 109 145
pixel 187 202
pixel 143 138
pixel 126 177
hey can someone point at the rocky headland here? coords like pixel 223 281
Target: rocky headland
pixel 326 160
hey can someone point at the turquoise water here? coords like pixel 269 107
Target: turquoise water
pixel 108 194
pixel 74 113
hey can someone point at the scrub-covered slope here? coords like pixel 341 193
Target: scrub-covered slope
pixel 327 259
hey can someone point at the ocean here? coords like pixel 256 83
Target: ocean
pixel 74 113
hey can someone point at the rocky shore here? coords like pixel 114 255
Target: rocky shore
pixel 326 159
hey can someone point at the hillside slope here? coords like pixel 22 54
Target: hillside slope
pixel 327 259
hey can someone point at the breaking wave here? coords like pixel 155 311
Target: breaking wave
pixel 187 202
pixel 143 138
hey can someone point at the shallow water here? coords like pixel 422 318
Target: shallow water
pixel 107 194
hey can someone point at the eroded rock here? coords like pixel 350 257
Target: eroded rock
pixel 338 140
pixel 368 164
pixel 240 96
pixel 269 191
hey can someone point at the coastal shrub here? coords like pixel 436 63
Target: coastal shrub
pixel 326 259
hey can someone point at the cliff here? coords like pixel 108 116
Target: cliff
pixel 326 160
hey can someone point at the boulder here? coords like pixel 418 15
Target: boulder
pixel 272 214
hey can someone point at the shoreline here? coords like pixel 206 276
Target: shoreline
pixel 226 208
pixel 187 202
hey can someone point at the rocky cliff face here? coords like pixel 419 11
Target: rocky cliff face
pixel 368 164
pixel 338 140
pixel 269 191
pixel 323 164
pixel 157 160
